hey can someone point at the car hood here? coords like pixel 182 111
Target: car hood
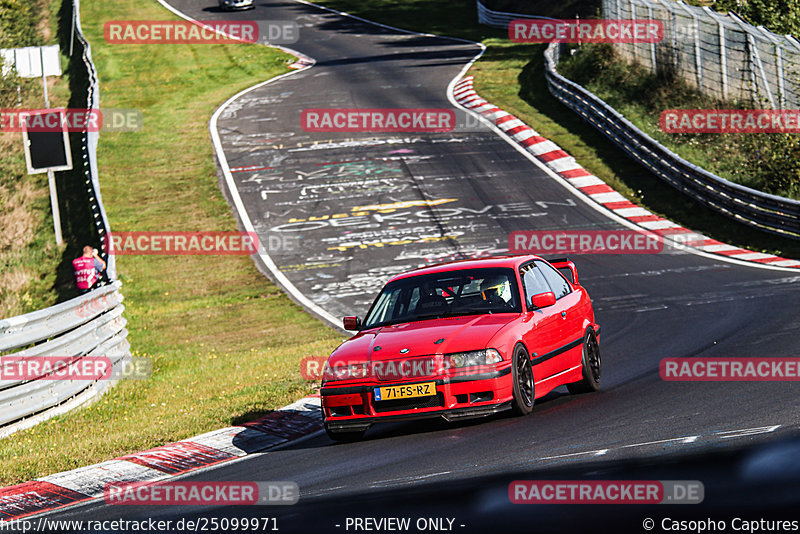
pixel 422 338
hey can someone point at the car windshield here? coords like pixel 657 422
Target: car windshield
pixel 446 294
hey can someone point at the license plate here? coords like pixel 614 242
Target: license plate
pixel 426 389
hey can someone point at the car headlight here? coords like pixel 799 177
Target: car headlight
pixel 344 371
pixel 473 358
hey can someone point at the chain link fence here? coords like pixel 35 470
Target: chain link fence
pixel 720 55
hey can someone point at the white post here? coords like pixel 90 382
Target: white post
pixel 44 78
pixel 72 33
pixel 51 182
pixel 673 27
pixel 781 75
pixel 633 16
pixel 723 59
pixel 723 51
pixel 697 56
pixel 51 178
pixel 652 45
pixel 755 59
pixel 777 43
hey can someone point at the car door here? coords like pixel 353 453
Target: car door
pixel 545 326
pixel 567 307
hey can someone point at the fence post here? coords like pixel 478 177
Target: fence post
pixel 781 76
pixel 723 59
pixel 755 58
pixel 698 62
pixel 779 71
pixel 652 44
pixel 723 50
pixel 673 29
pixel 634 46
pixel 793 85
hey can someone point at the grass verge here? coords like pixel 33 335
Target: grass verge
pixel 225 342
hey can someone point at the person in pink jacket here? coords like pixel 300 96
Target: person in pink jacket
pixel 87 269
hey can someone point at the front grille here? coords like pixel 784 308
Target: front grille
pixel 436 401
pixel 404 368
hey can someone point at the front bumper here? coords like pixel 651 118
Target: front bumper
pixel 352 407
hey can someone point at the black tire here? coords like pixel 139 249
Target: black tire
pixel 522 376
pixel 590 365
pixel 338 435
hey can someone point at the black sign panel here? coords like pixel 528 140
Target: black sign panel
pixel 46 142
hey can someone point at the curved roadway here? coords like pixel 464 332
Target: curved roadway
pixel 402 200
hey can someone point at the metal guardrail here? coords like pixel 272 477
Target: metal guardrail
pixel 87 326
pixel 499 19
pixel 767 212
pixel 89 145
pixel 771 213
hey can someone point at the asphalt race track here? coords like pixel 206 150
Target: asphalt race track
pixel 340 212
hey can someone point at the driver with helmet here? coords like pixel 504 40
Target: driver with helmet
pixel 496 290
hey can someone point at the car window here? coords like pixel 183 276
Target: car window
pixel 384 305
pixel 533 281
pixel 557 283
pixel 450 293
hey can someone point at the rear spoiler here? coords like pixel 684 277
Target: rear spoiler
pixel 567 268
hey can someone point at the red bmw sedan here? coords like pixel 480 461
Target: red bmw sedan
pixel 463 339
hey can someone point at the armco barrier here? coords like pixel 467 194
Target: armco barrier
pixel 498 19
pixel 89 143
pixel 87 326
pixel 767 212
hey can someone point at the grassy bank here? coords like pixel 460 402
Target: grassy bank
pixel 29 256
pixel 766 162
pixel 224 341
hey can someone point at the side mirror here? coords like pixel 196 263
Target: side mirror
pixel 354 323
pixel 543 300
